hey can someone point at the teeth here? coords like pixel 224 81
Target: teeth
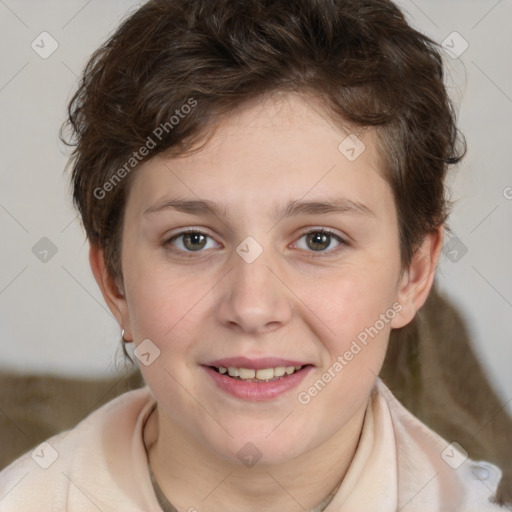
pixel 279 371
pixel 246 373
pixel 264 374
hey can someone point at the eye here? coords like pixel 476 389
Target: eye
pixel 320 239
pixel 189 241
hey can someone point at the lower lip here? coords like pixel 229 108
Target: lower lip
pixel 256 391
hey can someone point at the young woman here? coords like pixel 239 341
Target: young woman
pixel 262 186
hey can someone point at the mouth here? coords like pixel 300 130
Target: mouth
pixel 256 380
pixel 260 375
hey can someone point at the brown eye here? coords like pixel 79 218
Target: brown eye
pixel 189 241
pixel 321 240
pixel 194 241
pixel 318 241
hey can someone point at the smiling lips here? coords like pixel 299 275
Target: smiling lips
pixel 261 369
pixel 263 374
pixel 257 384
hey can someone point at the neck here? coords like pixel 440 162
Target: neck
pixel 219 485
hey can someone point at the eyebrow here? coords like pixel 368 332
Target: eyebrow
pixel 292 208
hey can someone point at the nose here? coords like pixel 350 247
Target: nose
pixel 254 297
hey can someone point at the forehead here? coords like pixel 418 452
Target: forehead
pixel 267 152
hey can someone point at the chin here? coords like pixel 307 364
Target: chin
pixel 250 447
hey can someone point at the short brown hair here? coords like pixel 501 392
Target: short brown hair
pixel 360 57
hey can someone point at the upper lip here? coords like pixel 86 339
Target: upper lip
pixel 254 364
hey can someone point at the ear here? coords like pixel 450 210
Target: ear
pixel 417 280
pixel 112 291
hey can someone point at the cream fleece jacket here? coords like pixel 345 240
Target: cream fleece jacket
pixel 101 465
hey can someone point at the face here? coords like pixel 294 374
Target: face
pixel 270 279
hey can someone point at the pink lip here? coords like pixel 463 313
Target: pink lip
pixel 257 391
pixel 254 364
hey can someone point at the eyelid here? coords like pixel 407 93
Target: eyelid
pixel 185 230
pixel 323 229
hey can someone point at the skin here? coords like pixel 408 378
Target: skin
pixel 286 303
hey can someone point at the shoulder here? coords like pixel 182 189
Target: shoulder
pixel 435 470
pixel 44 478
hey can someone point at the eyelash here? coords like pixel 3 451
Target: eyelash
pixel 314 254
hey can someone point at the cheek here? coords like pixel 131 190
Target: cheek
pixel 162 300
pixel 352 301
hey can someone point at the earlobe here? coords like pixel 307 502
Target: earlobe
pixel 112 292
pixel 417 280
